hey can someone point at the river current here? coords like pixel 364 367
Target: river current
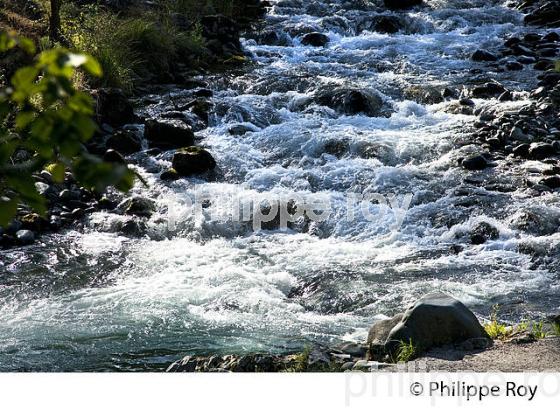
pixel 203 283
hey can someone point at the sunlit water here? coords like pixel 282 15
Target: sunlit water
pixel 205 284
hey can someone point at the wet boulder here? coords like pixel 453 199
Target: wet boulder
pixel 541 150
pixel 383 23
pixel 488 90
pixel 475 162
pixel 401 4
pixel 545 14
pixel 114 157
pixel 113 107
pixel 315 39
pixel 138 206
pixel 483 232
pixel 124 141
pixel 351 101
pixel 193 160
pixel 168 135
pixel 435 320
pixel 483 55
pixel 552 181
pixel 25 237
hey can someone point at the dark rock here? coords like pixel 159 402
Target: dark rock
pixel 113 107
pixel 541 150
pixel 351 101
pixel 551 181
pixel 114 157
pixel 124 141
pixel 241 129
pixel 514 66
pixel 193 160
pixel 475 163
pixel 547 14
pixel 132 228
pixel 467 102
pixel 506 96
pixel 482 232
pixel 543 65
pixel 435 320
pixel 521 150
pixel 552 37
pixel 34 222
pixel 387 24
pixel 315 39
pixel 490 89
pixel 106 203
pixel 483 55
pixel 169 175
pixel 25 237
pixel 168 135
pixel 401 4
pixel 378 334
pixel 138 206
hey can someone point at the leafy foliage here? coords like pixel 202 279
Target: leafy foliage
pixel 131 48
pixel 494 328
pixel 406 351
pixel 537 330
pixel 42 113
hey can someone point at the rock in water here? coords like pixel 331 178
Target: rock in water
pixel 482 55
pixel 25 237
pixel 541 150
pixel 193 160
pixel 138 206
pixel 315 39
pixel 435 320
pixel 168 135
pixel 401 4
pixel 351 101
pixel 124 141
pixel 474 163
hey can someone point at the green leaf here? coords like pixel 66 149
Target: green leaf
pixel 57 172
pixel 7 41
pixel 27 45
pixel 93 67
pixel 24 185
pixel 23 119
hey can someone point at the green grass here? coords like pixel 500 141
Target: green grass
pixel 406 351
pixel 537 330
pixel 496 329
pixel 556 329
pixel 141 45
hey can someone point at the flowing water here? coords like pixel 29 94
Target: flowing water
pixel 203 283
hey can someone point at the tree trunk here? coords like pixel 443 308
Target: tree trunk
pixel 54 23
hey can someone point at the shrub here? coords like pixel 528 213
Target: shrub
pixel 42 113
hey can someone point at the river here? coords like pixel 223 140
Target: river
pixel 203 283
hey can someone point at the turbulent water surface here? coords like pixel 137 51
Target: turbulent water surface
pixel 203 283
